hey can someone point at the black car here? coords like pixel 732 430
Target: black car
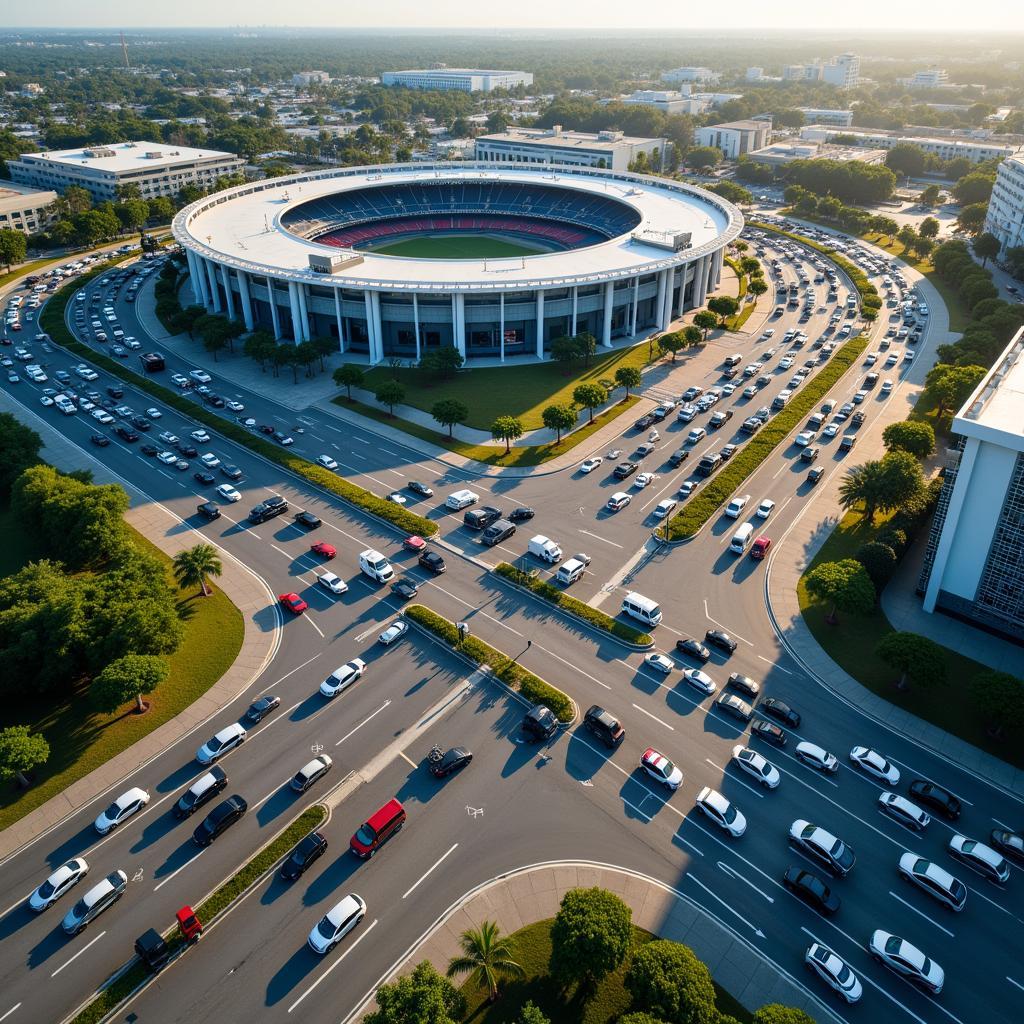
pixel 768 732
pixel 727 451
pixel 188 450
pixel 100 440
pixel 264 429
pixel 679 457
pixel 694 648
pixel 433 562
pixel 815 475
pixel 404 588
pixel 521 514
pixel 231 472
pixel 421 489
pixel 810 453
pixel 780 711
pixel 1010 844
pixel 126 434
pixel 260 708
pixel 141 423
pixel 308 520
pixel 204 478
pixel 624 469
pixel 115 391
pixel 481 518
pixel 310 849
pixel 720 639
pixel 208 510
pixel 807 886
pixel 153 950
pixel 939 799
pixel 222 817
pixel 149 449
pixel 215 400
pixel 644 422
pixel 540 722
pixel 452 761
pixel 857 419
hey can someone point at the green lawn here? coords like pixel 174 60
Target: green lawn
pixel 80 739
pixel 532 950
pixel 457 247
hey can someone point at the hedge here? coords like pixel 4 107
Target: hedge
pixel 724 484
pixel 52 321
pixel 512 674
pixel 114 994
pixel 554 595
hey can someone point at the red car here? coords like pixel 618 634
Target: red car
pixel 293 603
pixel 414 543
pixel 321 547
pixel 760 548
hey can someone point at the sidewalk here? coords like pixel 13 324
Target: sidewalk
pixel 534 893
pixel 246 590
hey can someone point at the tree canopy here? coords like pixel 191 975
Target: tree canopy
pixel 666 979
pixel 917 659
pixel 423 997
pixel 844 585
pixel 591 935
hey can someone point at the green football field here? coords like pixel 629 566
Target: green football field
pixel 457 247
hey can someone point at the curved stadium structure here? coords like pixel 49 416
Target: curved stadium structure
pixel 395 260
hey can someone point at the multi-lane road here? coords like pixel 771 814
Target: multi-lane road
pixel 517 803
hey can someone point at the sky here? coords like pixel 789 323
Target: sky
pixel 738 15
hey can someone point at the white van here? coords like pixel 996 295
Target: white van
pixel 741 538
pixel 376 566
pixel 461 499
pixel 569 572
pixel 642 608
pixel 544 549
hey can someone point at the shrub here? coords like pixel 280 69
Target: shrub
pixel 894 539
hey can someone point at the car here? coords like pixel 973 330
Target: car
pixel 452 760
pixel 149 449
pixel 101 896
pixel 834 972
pixel 283 439
pixel 421 489
pixel 323 549
pixel 405 589
pixel 307 519
pixel 831 430
pixel 221 743
pixel 810 453
pixel 722 812
pixel 327 462
pixel 804 438
pixel 765 509
pixel 664 508
pixel 755 764
pixel 209 460
pixel 902 810
pixel 815 475
pixel 807 886
pixel 169 439
pixel 311 773
pixel 231 472
pixel 222 817
pixel 102 416
pixel 816 757
pixel 186 449
pixel 397 499
pixel 780 711
pixel 644 422
pixel 521 515
pixel 659 662
pixel 336 924
pixel 201 376
pixel 936 797
pixel 46 400
pixel 642 480
pixel 981 859
pixel 694 649
pixel 332 583
pixel 204 478
pixel 86 373
pixel 395 631
pixel 261 707
pixel 153 413
pixel 292 602
pixel 100 440
pixel 342 678
pixel 728 450
pixel 661 769
pixel 822 847
pixel 168 458
pixel 700 681
pixel 227 492
pixel 200 436
pixel 720 639
pixel 624 469
pixel 691 393
pixel 181 381
pixel 906 960
pixel 65 878
pixel 233 406
pixel 1011 844
pixel 540 722
pixel 619 500
pixel 686 488
pixel 265 428
pixel 308 850
pixel 750 391
pixel 432 562
pixel 936 881
pixel 872 763
pixel 589 465
pixel 769 732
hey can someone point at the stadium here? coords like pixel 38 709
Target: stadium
pixel 395 260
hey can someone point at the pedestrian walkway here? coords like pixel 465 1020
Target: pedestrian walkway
pixel 534 894
pixel 246 590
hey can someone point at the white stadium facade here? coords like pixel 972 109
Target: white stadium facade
pixel 617 255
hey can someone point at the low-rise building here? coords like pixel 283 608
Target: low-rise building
pixel 304 79
pixel 1005 217
pixel 704 75
pixel 664 100
pixel 933 78
pixel 945 146
pixel 457 79
pixel 817 115
pixel 735 138
pixel 779 154
pixel 25 209
pixel 556 145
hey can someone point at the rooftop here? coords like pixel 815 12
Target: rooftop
pixel 457 71
pixel 10 190
pixel 561 138
pixel 125 156
pixel 995 412
pixel 743 126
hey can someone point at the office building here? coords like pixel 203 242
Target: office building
pixel 933 78
pixel 735 137
pixel 612 150
pixel 945 147
pixel 457 79
pixel 304 79
pixel 665 101
pixel 25 209
pixel 155 168
pixel 838 118
pixel 754 74
pixel 1005 218
pixel 974 562
pixel 779 154
pixel 842 71
pixel 703 75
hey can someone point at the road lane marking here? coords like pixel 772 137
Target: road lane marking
pixel 734 874
pixel 315 626
pixel 16 1005
pixel 373 714
pixel 910 906
pixel 1002 824
pixel 370 927
pixel 280 552
pixel 604 540
pixel 74 958
pixel 749 924
pixel 278 682
pixel 433 867
pixel 655 717
pixel 686 842
pixel 361 440
pixel 707 615
pixel 178 871
pixel 768 661
pixel 1008 978
pixel 405 757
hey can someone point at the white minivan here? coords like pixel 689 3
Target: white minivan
pixel 643 608
pixel 741 538
pixel 376 566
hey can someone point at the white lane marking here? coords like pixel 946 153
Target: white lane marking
pixel 1008 978
pixel 408 760
pixel 356 455
pixel 707 615
pixel 910 906
pixel 16 1005
pixel 604 540
pixel 361 440
pixel 76 956
pixel 733 873
pixel 768 661
pixel 433 867
pixel 373 714
pixel 686 842
pixel 753 927
pixel 370 927
pixel 655 717
pixel 742 782
pixel 280 552
pixel 362 636
pixel 164 881
pixel 1002 824
pixel 315 626
pixel 278 682
pixel 260 803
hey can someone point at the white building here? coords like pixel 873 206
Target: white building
pixel 779 154
pixel 933 78
pixel 157 169
pixel 612 150
pixel 754 74
pixel 704 75
pixel 304 79
pixel 945 147
pixel 839 118
pixel 735 137
pixel 665 101
pixel 842 71
pixel 1005 218
pixel 973 566
pixel 25 209
pixel 457 79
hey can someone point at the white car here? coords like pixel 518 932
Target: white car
pixel 664 508
pixel 46 400
pixel 765 509
pixel 887 386
pixel 721 811
pixel 397 499
pixel 770 333
pixel 64 878
pixel 200 375
pixel 335 584
pixel 229 493
pixel 327 462
pixel 936 881
pixel 872 763
pixel 209 460
pixel 200 436
pixel 642 480
pixel 342 678
pixel 154 414
pixel 86 374
pixel 804 438
pixel 736 506
pixel 905 812
pixel 180 380
pixel 786 362
pixel 872 358
pixel 661 769
pixel 121 810
pixel 168 458
pixel 589 465
pixel 695 435
pixel 816 757
pixel 102 416
pixel 337 923
pixel 906 960
pixel 908 356
pixel 224 742
pixel 754 764
pixel 619 500
pixel 397 629
pixel 686 488
pixel 700 680
pixel 659 662
pixel 834 971
pixel 831 430
pixel 233 406
pixel 728 389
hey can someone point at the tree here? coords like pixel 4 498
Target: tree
pixel 757 287
pixel 776 1013
pixel 559 418
pixel 845 585
pixel 906 236
pixel 628 377
pixel 486 957
pixel 640 1017
pixel 591 935
pixel 706 321
pixel 922 246
pixel 885 226
pixel 880 562
pixel 950 386
pixel 126 679
pixel 972 218
pixel 423 997
pixel 701 157
pixel 507 429
pixel 20 752
pixel 449 361
pixel 586 346
pixel 724 305
pixel 564 351
pixel 974 188
pixel 906 160
pixel 390 393
pixel 912 436
pixel 590 396
pixel 532 1014
pixel 928 228
pixel 13 247
pixel 671 342
pixel 259 345
pixel 450 411
pixel 195 565
pixel 348 376
pixel 1000 698
pixel 900 479
pixel 986 246
pixel 19 449
pixel 668 980
pixel 189 318
pixel 862 485
pixel 930 196
pixel 916 658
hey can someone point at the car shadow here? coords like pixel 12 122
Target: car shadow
pixel 300 964
pixel 639 801
pixel 72 847
pixel 159 827
pixel 51 943
pixel 178 858
pixel 646 683
pixel 280 802
pixel 330 880
pixel 16 918
pixel 186 773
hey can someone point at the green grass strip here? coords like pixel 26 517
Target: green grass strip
pixel 512 674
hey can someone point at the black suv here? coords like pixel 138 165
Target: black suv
pixel 208 510
pixel 540 723
pixel 219 820
pixel 604 726
pixel 811 889
pixel 624 469
pixel 152 950
pixel 273 506
pixel 309 849
pixel 479 518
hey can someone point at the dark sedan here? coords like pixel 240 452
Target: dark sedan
pixel 720 639
pixel 1011 844
pixel 126 434
pixel 204 478
pixel 260 708
pixel 100 440
pixel 768 732
pixel 433 562
pixel 307 519
pixel 780 711
pixel 644 422
pixel 149 449
pixel 452 761
pixel 404 588
pixel 188 450
pixel 310 849
pixel 421 489
pixel 231 472
pixel 522 514
pixel 807 886
pixel 935 797
pixel 141 423
pixel 693 648
pixel 624 469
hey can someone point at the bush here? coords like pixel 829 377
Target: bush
pixel 895 540
pixel 561 599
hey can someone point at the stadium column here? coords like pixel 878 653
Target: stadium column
pixel 196 280
pixel 416 325
pixel 501 324
pixel 340 319
pixel 229 295
pixel 459 322
pixel 716 267
pixel 700 292
pixel 211 277
pixel 293 303
pixel 275 313
pixel 665 299
pixel 575 296
pixel 540 323
pixel 609 299
pixel 636 306
pixel 246 298
pixel 373 326
pixel 300 289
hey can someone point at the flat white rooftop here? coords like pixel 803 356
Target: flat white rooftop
pixel 125 156
pixel 995 412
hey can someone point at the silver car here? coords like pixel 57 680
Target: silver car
pixel 934 880
pixel 60 882
pixel 754 764
pixel 906 960
pixel 101 896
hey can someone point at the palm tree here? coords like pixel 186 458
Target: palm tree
pixel 862 484
pixel 193 566
pixel 487 955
